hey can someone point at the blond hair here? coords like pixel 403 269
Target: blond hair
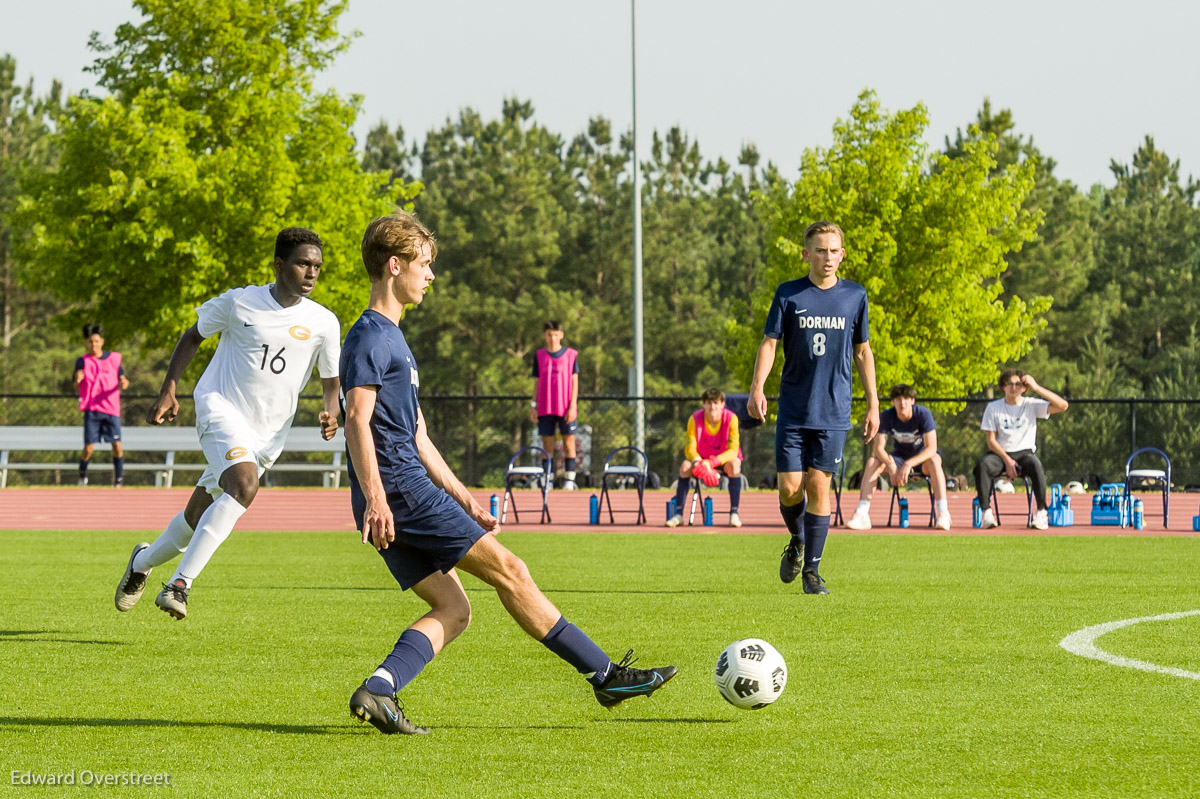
pixel 817 228
pixel 398 234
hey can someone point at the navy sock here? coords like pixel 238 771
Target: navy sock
pixel 118 469
pixel 793 518
pixel 411 653
pixel 735 493
pixel 816 528
pixel 568 464
pixel 572 645
pixel 83 469
pixel 681 493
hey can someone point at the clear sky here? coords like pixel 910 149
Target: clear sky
pixel 1087 80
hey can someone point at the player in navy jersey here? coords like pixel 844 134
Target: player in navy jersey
pixel 418 515
pixel 822 320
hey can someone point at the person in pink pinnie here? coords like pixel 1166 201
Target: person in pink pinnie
pixel 556 396
pixel 100 379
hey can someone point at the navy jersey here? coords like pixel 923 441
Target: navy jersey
pixel 908 438
pixel 819 328
pixel 376 354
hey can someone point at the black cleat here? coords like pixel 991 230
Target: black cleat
pixel 625 682
pixel 813 584
pixel 383 711
pixel 791 562
pixel 172 599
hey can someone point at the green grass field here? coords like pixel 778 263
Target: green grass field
pixel 932 670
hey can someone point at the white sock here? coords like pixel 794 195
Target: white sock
pixel 943 506
pixel 215 526
pixel 570 476
pixel 387 675
pixel 864 506
pixel 166 547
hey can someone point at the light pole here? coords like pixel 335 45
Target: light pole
pixel 639 362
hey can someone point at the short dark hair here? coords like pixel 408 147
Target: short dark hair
pixel 1009 374
pixel 902 390
pixel 713 395
pixel 553 324
pixel 93 329
pixel 292 237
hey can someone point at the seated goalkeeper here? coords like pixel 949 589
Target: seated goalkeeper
pixel 713 447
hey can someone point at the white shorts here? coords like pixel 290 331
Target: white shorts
pixel 229 439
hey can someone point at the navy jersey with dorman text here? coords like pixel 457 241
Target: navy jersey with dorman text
pixel 819 328
pixel 375 353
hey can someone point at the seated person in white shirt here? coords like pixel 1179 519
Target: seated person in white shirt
pixel 1010 425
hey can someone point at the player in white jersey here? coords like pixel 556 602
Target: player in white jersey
pixel 271 337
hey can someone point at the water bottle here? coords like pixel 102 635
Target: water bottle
pixel 594 509
pixel 670 508
pixel 1139 515
pixel 976 513
pixel 494 506
pixel 903 511
pixel 708 512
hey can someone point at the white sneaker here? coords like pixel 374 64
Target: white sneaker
pixel 82 482
pixel 734 519
pixel 569 485
pixel 943 521
pixel 859 521
pixel 675 520
pixel 1040 520
pixel 989 519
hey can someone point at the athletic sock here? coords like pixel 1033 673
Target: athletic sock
pixel 793 517
pixel 572 645
pixel 83 469
pixel 681 492
pixel 943 506
pixel 569 465
pixel 167 546
pixel 118 469
pixel 735 493
pixel 411 653
pixel 864 506
pixel 214 527
pixel 816 528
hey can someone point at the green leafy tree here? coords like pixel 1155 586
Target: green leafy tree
pixel 171 188
pixel 925 234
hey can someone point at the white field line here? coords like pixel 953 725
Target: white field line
pixel 1082 643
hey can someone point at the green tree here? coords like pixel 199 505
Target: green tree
pixel 925 234
pixel 171 188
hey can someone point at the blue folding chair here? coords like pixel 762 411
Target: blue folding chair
pixel 635 472
pixel 519 475
pixel 1163 478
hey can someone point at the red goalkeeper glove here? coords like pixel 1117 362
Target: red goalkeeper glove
pixel 705 472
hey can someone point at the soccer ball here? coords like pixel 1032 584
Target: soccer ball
pixel 751 674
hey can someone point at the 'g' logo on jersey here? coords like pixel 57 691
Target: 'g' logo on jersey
pixel 300 333
pixel 235 453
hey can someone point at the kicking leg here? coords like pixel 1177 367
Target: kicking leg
pixel 169 544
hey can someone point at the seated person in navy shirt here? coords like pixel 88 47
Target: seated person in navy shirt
pixel 914 446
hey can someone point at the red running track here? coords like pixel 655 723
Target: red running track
pixel 102 508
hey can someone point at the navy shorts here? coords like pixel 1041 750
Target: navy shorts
pixel 431 535
pixel 100 427
pixel 547 425
pixel 799 449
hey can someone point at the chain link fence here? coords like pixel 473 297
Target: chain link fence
pixel 478 434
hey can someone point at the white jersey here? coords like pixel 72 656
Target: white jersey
pixel 1015 426
pixel 264 357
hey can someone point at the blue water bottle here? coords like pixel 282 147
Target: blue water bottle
pixel 594 509
pixel 1139 515
pixel 903 511
pixel 708 512
pixel 976 513
pixel 494 506
pixel 670 508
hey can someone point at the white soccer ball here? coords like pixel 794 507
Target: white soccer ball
pixel 751 674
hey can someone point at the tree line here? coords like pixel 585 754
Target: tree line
pixel 133 207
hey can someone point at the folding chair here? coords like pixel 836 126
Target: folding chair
pixel 517 474
pixel 896 496
pixel 1028 503
pixel 1163 478
pixel 632 472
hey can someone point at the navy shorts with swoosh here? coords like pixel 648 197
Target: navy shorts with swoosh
pixel 799 449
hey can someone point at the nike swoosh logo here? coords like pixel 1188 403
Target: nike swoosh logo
pixel 837 460
pixel 247 324
pixel 391 715
pixel 801 310
pixel 657 679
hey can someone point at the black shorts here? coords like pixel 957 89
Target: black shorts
pixel 432 534
pixel 798 449
pixel 547 425
pixel 99 426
